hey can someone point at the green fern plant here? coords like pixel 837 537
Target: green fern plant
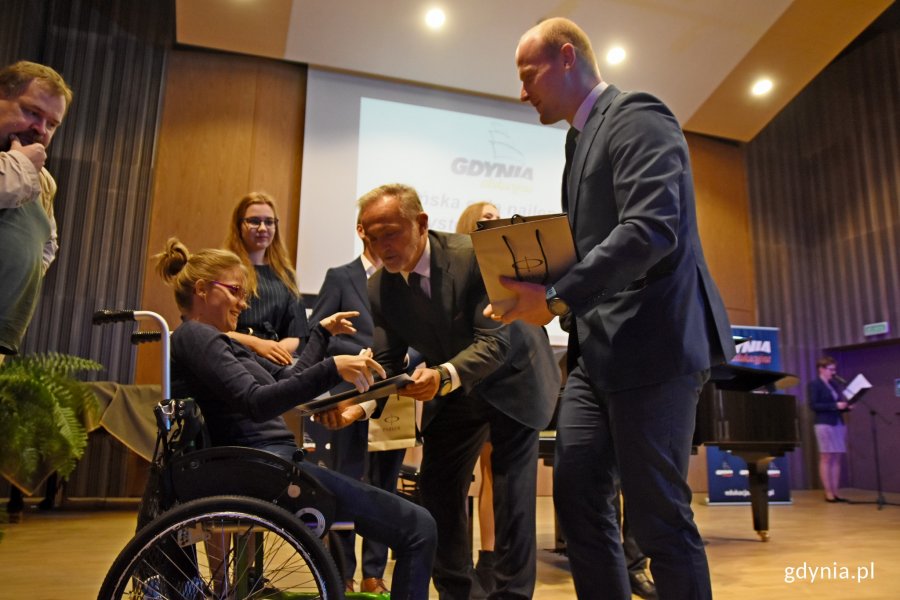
pixel 42 411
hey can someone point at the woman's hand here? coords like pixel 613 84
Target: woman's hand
pixel 358 369
pixel 340 416
pixel 339 323
pixel 269 349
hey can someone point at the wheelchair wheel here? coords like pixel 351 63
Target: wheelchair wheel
pixel 223 547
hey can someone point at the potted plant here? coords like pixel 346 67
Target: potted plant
pixel 43 412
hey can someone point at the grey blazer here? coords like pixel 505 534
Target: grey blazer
pixel 645 306
pixel 510 367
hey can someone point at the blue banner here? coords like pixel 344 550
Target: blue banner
pixel 726 473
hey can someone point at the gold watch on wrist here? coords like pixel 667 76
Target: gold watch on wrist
pixel 446 381
pixel 556 305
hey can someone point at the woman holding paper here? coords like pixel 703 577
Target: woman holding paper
pixel 243 396
pixel 831 434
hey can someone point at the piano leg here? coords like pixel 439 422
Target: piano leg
pixel 758 477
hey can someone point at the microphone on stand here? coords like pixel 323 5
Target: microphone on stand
pixel 839 379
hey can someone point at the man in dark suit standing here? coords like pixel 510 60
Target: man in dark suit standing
pixel 648 320
pixel 481 378
pixel 345 289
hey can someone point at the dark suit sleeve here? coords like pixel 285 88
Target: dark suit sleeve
pixel 331 300
pixel 645 151
pixel 490 343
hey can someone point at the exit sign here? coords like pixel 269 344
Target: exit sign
pixel 876 328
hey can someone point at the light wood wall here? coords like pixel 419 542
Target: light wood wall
pixel 230 125
pixel 720 182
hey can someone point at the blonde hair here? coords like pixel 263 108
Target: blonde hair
pixel 470 216
pixel 276 254
pixel 15 78
pixel 182 270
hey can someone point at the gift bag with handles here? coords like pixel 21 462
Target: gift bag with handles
pixel 396 426
pixel 537 249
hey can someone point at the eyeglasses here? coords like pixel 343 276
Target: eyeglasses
pixel 256 222
pixel 236 290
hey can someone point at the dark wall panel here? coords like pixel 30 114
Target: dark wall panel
pixel 824 181
pixel 112 53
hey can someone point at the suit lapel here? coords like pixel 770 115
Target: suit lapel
pixel 585 140
pixel 359 281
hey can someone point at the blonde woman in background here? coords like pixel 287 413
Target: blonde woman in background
pixel 275 324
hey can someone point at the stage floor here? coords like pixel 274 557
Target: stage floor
pixel 64 554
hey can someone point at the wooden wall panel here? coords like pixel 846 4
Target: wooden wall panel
pixel 825 207
pixel 723 217
pixel 230 125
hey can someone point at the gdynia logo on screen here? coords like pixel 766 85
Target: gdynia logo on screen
pixel 482 168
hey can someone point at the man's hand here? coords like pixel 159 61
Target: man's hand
pixel 425 385
pixel 339 323
pixel 530 306
pixel 36 152
pixel 341 416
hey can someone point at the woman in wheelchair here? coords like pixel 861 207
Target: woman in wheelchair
pixel 243 396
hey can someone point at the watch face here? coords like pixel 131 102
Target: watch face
pixel 557 306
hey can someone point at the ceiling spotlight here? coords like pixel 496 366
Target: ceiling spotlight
pixel 615 55
pixel 761 87
pixel 435 18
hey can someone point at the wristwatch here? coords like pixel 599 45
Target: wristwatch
pixel 446 381
pixel 556 305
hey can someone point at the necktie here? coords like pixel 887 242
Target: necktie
pixel 415 285
pixel 571 142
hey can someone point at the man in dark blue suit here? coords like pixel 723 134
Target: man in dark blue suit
pixel 648 321
pixel 481 378
pixel 345 289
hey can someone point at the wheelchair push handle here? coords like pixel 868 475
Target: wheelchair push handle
pixel 108 315
pixel 142 337
pixel 116 316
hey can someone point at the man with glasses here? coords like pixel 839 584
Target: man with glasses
pixel 33 102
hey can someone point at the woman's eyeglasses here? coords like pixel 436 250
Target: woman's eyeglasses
pixel 236 290
pixel 257 222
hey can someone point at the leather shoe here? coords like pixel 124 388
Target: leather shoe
pixel 642 586
pixel 349 585
pixel 374 585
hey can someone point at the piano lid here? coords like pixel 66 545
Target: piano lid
pixel 747 379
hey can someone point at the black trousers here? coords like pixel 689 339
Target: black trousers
pixel 453 440
pixel 642 438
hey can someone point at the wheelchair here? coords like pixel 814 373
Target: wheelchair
pixel 215 523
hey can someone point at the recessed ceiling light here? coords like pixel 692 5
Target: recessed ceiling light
pixel 761 87
pixel 615 55
pixel 435 18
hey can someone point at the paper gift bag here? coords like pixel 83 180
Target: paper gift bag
pixel 396 426
pixel 537 249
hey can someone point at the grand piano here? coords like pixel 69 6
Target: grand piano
pixel 737 413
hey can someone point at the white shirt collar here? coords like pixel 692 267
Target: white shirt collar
pixel 423 267
pixel 584 111
pixel 368 267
